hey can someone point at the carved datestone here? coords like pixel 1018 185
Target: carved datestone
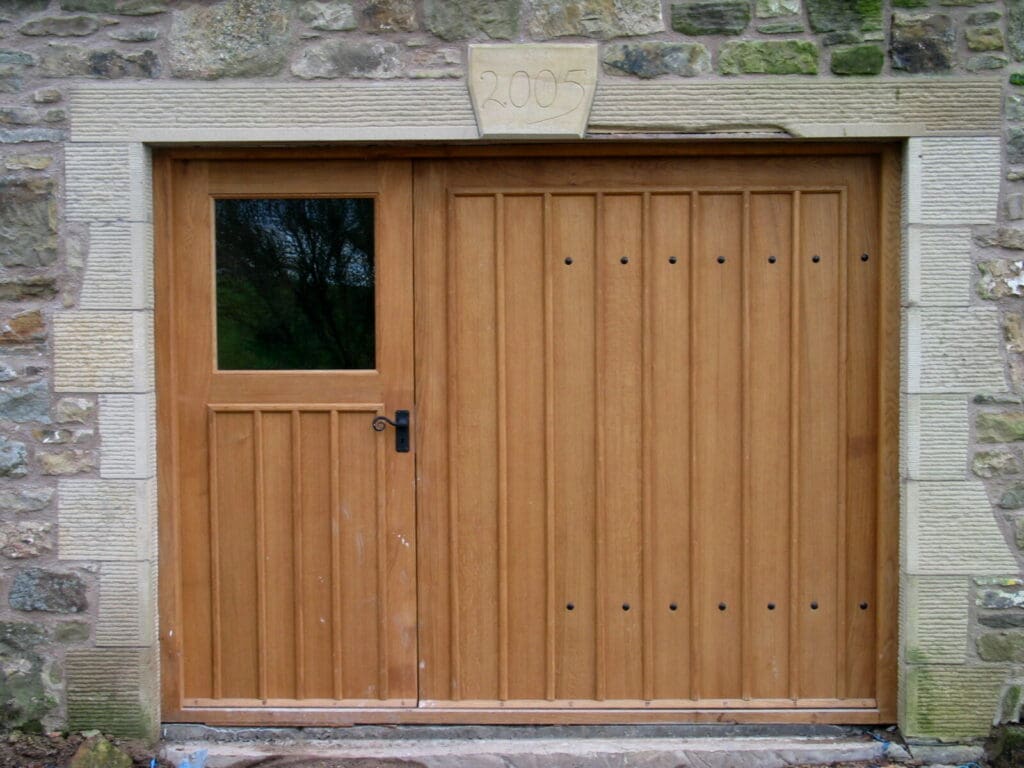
pixel 532 90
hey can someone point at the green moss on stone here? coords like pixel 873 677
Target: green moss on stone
pixel 1017 78
pixel 1002 427
pixel 1001 646
pixel 856 16
pixel 909 3
pixel 768 57
pixel 858 60
pixel 711 17
pixel 781 28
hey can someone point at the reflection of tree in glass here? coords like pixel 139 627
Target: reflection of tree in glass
pixel 295 284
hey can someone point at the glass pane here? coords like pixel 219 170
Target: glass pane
pixel 295 284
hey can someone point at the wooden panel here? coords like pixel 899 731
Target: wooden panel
pixel 573 253
pixel 820 421
pixel 523 360
pixel 667 445
pixel 766 460
pixel 619 370
pixel 717 449
pixel 474 447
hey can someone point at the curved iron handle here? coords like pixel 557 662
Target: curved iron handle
pixel 401 425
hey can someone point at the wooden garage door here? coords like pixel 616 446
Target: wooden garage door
pixel 654 468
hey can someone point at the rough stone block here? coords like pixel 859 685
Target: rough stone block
pixel 935 619
pixel 937 269
pixel 128 431
pixel 937 435
pixel 118 272
pixel 954 180
pixel 112 690
pixel 103 352
pixel 953 350
pixel 127 605
pixel 107 519
pixel 950 530
pixel 107 182
pixel 951 702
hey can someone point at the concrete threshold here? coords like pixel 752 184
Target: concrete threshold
pixel 466 747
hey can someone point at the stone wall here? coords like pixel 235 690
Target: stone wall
pixel 75 616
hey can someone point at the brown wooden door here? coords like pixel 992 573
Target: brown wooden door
pixel 653 471
pixel 291 521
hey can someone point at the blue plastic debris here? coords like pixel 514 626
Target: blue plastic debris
pixel 195 760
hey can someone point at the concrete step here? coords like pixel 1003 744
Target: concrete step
pixel 582 752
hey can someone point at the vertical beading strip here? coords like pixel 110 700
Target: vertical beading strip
pixel 794 451
pixel 692 468
pixel 453 477
pixel 841 448
pixel 211 431
pixel 599 398
pixel 549 450
pixel 261 550
pixel 646 435
pixel 501 375
pixel 334 458
pixel 297 590
pixel 383 597
pixel 746 576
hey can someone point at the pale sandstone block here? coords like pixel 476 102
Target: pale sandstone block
pixel 937 432
pixel 532 89
pixel 107 182
pixel 954 180
pixel 127 605
pixel 935 618
pixel 103 351
pixel 950 702
pixel 937 267
pixel 118 272
pixel 128 433
pixel 107 520
pixel 115 690
pixel 953 350
pixel 950 530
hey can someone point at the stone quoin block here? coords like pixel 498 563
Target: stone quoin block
pixel 108 182
pixel 119 267
pixel 937 435
pixel 127 608
pixel 113 690
pixel 936 613
pixel 103 351
pixel 107 519
pixel 950 530
pixel 128 432
pixel 937 266
pixel 953 350
pixel 950 702
pixel 951 180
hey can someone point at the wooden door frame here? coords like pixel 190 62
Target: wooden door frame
pixel 429 272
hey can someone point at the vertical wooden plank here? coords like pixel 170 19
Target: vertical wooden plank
pixel 298 560
pixel 276 430
pixel 647 407
pixel 476 445
pixel 362 597
pixel 864 266
pixel 318 612
pixel 526 422
pixel 600 457
pixel 819 473
pixel 259 483
pixel 842 311
pixel 216 632
pixel 550 587
pixel 337 649
pixel 887 541
pixel 620 296
pixel 433 505
pixel 234 542
pixel 768 434
pixel 666 273
pixel 502 458
pixel 717 367
pixel 795 344
pixel 572 259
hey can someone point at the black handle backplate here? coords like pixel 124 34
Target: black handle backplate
pixel 401 425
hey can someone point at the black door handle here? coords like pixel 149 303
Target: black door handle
pixel 401 425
